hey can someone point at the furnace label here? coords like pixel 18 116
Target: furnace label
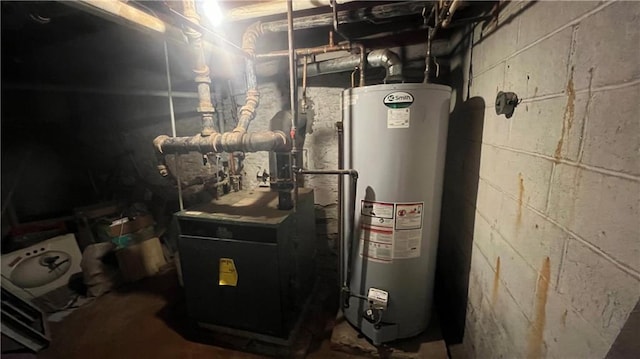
pixel 228 276
pixel 398 118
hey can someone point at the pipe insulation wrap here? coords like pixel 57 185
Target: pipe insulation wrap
pixel 376 58
pixel 277 141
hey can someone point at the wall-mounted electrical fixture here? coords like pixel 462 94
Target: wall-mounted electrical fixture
pixel 506 103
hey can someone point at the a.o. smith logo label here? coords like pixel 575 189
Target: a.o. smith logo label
pixel 398 99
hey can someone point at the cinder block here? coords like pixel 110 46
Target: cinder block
pixel 481 328
pixel 488 83
pixel 607 42
pixel 499 326
pixel 541 69
pixel 567 334
pixel 551 127
pixel 604 210
pixel 613 130
pixel 516 275
pixel 495 46
pixel 489 157
pixel 598 290
pixel 523 176
pixel 484 238
pixel 532 236
pixel 512 319
pixel 489 202
pixel 495 130
pixel 544 17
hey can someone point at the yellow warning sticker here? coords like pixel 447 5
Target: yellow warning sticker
pixel 228 273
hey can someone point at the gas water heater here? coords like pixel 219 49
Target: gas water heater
pixel 395 137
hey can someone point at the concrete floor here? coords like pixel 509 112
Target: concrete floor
pixel 148 320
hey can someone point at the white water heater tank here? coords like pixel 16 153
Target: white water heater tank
pixel 395 137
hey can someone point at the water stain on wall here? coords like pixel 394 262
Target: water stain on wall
pixel 567 118
pixel 536 330
pixel 520 199
pixel 496 283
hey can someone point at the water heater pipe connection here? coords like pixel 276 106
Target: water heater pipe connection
pixel 345 292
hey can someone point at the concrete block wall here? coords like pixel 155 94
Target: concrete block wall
pixel 547 216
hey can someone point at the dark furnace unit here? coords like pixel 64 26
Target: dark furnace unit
pixel 248 267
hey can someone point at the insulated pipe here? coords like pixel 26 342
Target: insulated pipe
pixel 248 111
pixel 276 141
pixel 205 106
pixel 377 58
pixel 373 14
pixel 362 64
pixel 389 60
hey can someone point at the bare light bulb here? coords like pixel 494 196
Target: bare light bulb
pixel 213 12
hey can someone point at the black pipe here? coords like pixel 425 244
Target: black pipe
pixel 339 127
pixel 349 172
pixel 344 290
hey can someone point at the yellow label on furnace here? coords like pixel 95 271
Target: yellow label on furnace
pixel 228 273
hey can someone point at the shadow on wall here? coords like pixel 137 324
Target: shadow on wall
pixel 461 177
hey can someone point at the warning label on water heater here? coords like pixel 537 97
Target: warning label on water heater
pixel 390 231
pixel 409 215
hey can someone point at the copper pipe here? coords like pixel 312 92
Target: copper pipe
pixel 306 51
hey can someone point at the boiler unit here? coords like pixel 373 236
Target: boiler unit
pixel 248 267
pixel 395 136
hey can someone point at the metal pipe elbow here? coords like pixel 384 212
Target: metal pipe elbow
pixel 250 37
pixel 389 60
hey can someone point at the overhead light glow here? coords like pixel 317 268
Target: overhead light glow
pixel 213 12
